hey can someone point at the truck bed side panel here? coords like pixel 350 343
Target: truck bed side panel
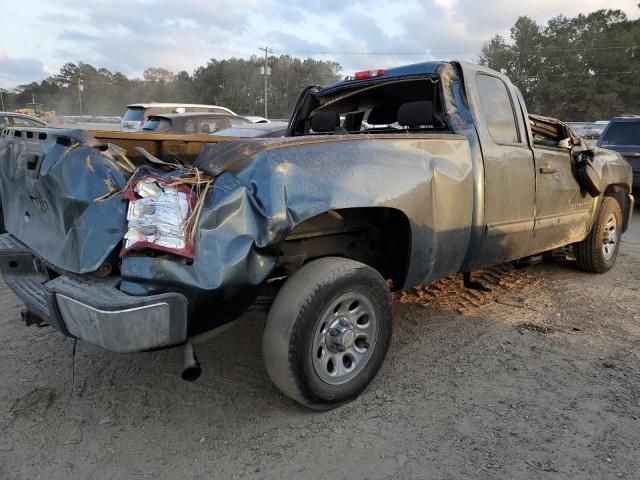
pixel 259 199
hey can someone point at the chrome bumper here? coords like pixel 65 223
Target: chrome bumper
pixel 91 309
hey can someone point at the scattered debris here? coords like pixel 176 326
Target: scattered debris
pixel 534 327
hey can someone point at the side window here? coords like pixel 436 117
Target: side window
pixel 497 109
pixel 4 121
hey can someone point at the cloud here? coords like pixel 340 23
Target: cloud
pixel 131 35
pixel 17 71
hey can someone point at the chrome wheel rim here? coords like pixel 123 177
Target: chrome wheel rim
pixel 610 237
pixel 344 338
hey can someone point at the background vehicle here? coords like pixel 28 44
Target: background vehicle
pixel 138 113
pixel 272 129
pixel 623 135
pixel 318 226
pixel 12 119
pixel 192 123
pixel 587 130
pixel 255 119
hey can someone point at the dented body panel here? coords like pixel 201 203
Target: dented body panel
pixel 466 200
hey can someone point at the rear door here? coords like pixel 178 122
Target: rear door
pixel 509 187
pixel 562 209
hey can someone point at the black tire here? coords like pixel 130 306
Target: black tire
pixel 297 318
pixel 590 255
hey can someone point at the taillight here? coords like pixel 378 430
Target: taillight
pixel 159 217
pixel 364 74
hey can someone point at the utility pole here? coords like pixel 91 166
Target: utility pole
pixel 80 89
pixel 2 91
pixel 266 71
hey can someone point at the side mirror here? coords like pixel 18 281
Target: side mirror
pixel 566 143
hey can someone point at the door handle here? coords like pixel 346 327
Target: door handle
pixel 547 169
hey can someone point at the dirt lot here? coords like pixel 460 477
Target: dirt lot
pixel 538 379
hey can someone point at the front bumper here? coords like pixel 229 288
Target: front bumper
pixel 93 309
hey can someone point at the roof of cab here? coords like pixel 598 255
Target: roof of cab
pixel 171 105
pixel 422 68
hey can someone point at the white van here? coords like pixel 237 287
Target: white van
pixel 138 113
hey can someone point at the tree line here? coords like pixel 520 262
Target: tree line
pixel 234 83
pixel 581 68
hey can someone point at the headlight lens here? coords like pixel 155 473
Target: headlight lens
pixel 159 217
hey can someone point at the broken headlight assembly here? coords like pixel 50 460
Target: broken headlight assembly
pixel 159 217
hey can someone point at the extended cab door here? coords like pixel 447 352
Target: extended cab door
pixel 563 209
pixel 509 186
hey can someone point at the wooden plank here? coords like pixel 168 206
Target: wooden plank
pixel 161 145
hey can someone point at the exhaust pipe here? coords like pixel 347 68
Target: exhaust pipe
pixel 191 369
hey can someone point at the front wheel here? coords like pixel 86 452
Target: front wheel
pixel 597 253
pixel 328 332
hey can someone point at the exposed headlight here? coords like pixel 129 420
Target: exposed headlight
pixel 159 217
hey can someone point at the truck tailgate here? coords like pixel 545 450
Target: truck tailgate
pixel 60 195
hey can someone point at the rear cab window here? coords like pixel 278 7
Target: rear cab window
pixel 403 105
pixel 622 133
pixel 497 110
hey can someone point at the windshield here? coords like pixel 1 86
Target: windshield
pixel 27 122
pixel 133 115
pixel 234 121
pixel 157 125
pixel 622 133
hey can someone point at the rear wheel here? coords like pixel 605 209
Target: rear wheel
pixel 597 253
pixel 328 331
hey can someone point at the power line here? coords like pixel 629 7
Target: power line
pixel 475 52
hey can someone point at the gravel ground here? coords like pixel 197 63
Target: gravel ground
pixel 538 379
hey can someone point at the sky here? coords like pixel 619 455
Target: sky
pixel 38 36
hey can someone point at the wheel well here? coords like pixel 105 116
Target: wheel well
pixel 379 237
pixel 620 192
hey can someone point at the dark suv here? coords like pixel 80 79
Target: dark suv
pixel 623 136
pixel 192 123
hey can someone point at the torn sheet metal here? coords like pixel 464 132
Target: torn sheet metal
pixel 266 187
pixel 59 194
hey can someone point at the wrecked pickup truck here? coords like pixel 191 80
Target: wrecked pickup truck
pixel 138 242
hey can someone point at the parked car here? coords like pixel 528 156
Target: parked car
pixel 192 123
pixel 622 135
pixel 316 226
pixel 264 130
pixel 12 119
pixel 138 113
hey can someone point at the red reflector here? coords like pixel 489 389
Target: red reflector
pixel 368 74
